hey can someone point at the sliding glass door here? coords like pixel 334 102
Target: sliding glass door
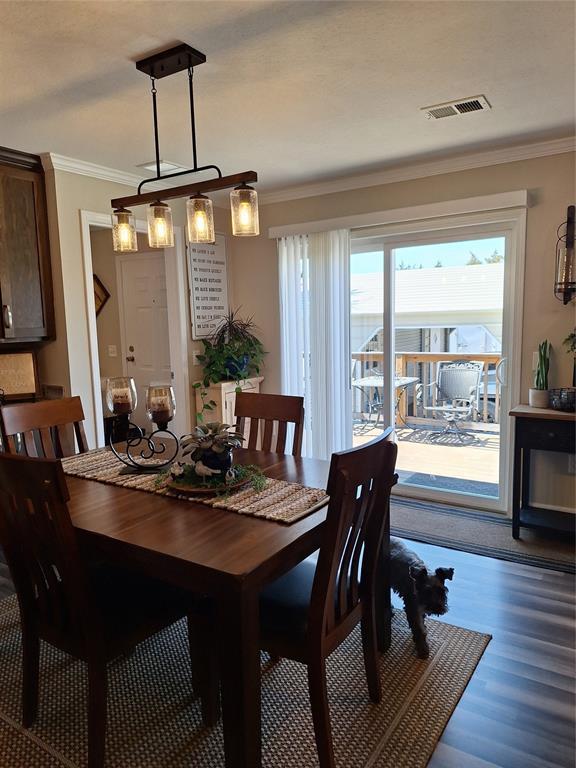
pixel 430 337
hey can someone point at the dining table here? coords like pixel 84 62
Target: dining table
pixel 226 556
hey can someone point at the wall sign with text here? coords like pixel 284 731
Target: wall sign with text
pixel 208 286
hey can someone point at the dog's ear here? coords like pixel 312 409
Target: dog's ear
pixel 418 573
pixel 445 573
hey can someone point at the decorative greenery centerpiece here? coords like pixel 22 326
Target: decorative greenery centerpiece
pixel 233 352
pixel 206 461
pixel 538 395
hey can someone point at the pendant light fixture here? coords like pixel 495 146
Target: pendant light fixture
pixel 124 231
pixel 244 207
pixel 565 277
pixel 160 229
pixel 200 215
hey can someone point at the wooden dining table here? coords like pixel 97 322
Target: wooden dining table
pixel 227 556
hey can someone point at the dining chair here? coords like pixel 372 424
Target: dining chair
pixel 307 613
pixel 269 416
pixel 47 427
pixel 91 611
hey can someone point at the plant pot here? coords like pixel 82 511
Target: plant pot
pixel 236 367
pixel 221 461
pixel 538 398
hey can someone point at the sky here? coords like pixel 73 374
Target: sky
pixel 450 254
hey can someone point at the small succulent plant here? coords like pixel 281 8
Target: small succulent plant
pixel 213 436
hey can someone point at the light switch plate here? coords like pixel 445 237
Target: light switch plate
pixel 195 353
pixel 112 350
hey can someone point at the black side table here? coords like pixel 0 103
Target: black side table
pixel 540 429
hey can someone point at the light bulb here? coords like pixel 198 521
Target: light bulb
pixel 200 217
pixel 160 229
pixel 200 222
pixel 244 210
pixel 124 231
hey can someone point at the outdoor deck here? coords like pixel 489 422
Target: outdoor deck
pixel 445 463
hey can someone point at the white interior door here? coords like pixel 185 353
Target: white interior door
pixel 144 325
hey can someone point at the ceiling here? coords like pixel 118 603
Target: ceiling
pixel 299 91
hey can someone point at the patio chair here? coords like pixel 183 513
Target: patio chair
pixel 455 394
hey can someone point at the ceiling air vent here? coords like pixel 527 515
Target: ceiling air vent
pixel 459 107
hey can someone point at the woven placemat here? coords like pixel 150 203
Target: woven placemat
pixel 279 501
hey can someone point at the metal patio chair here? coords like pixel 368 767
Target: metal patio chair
pixel 455 394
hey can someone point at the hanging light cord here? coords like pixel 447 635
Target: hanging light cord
pixel 192 115
pixel 155 113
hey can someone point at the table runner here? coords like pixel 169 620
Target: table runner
pixel 280 501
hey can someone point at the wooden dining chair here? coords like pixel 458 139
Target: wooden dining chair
pixel 93 612
pixel 47 427
pixel 309 611
pixel 269 416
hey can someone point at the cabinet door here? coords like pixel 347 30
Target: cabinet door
pixel 25 280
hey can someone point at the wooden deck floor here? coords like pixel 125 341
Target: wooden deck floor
pixel 473 461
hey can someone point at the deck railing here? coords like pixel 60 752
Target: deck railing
pixel 424 365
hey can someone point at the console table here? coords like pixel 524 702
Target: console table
pixel 540 429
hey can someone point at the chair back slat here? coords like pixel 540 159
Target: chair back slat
pixel 269 416
pixel 47 427
pixel 359 487
pixel 38 539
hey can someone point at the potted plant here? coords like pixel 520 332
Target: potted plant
pixel 538 395
pixel 233 352
pixel 570 343
pixel 211 445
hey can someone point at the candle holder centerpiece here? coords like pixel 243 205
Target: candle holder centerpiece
pixel 144 453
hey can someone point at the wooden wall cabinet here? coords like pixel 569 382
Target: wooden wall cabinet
pixel 26 300
pixel 224 395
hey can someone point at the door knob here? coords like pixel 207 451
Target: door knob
pixel 130 358
pixel 7 315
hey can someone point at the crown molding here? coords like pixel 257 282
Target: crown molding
pixel 53 162
pixel 421 170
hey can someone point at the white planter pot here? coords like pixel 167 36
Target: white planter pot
pixel 538 398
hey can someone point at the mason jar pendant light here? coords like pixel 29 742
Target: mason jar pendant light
pixel 200 216
pixel 124 231
pixel 160 229
pixel 244 208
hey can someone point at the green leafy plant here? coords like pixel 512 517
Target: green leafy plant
pixel 570 343
pixel 543 366
pixel 212 436
pixel 233 352
pixel 207 405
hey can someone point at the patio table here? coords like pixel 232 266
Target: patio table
pixel 401 384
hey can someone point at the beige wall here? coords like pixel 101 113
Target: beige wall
pixel 108 321
pixel 551 182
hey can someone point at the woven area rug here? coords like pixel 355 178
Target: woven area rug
pixel 154 722
pixel 482 533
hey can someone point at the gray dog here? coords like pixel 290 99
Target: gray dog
pixel 423 593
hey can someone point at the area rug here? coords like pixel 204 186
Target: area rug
pixel 481 533
pixel 154 722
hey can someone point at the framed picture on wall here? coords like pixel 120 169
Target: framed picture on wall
pixel 101 295
pixel 207 272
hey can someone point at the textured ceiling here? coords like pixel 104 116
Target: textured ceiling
pixel 299 91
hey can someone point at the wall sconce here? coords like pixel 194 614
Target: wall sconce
pixel 565 277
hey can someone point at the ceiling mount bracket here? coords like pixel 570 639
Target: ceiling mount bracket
pixel 176 59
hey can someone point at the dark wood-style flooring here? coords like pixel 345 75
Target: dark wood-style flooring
pixel 519 708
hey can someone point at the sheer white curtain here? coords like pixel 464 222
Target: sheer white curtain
pixel 315 333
